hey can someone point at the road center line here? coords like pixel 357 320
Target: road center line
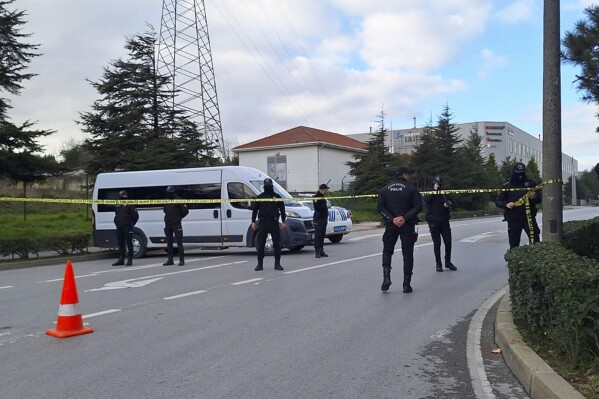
pixel 184 295
pixel 348 260
pixel 247 281
pixel 89 316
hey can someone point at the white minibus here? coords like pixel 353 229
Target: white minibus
pixel 217 224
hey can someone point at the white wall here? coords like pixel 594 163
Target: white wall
pixel 303 165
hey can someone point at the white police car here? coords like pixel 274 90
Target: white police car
pixel 339 223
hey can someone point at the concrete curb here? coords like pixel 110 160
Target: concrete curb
pixel 539 380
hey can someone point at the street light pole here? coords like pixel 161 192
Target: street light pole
pixel 552 126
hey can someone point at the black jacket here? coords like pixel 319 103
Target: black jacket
pixel 125 216
pixel 174 213
pixel 435 207
pixel 399 198
pixel 321 210
pixel 505 197
pixel 268 209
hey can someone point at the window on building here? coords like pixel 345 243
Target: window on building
pixel 276 167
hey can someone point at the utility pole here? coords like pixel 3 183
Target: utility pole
pixel 553 217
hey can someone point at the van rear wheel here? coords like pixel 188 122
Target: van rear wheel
pixel 139 246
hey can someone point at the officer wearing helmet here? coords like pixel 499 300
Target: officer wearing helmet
pixel 125 217
pixel 265 220
pixel 515 214
pixel 399 203
pixel 173 215
pixel 437 217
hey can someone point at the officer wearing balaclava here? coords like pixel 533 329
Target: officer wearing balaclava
pixel 125 217
pixel 265 220
pixel 438 207
pixel 515 215
pixel 173 215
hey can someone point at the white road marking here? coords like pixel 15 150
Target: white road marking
pixel 8 286
pixel 184 295
pixel 247 281
pixel 480 383
pixel 89 316
pixel 129 283
pixel 364 237
pixel 347 260
pixel 128 269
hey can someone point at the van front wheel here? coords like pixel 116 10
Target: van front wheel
pixel 139 246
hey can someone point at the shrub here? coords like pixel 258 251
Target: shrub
pixel 582 237
pixel 554 291
pixel 21 247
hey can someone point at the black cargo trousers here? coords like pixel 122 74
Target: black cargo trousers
pixel 441 230
pixel 265 226
pixel 176 230
pixel 407 235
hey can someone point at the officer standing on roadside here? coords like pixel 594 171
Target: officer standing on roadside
pixel 437 217
pixel 399 203
pixel 173 215
pixel 125 217
pixel 320 220
pixel 515 215
pixel 268 213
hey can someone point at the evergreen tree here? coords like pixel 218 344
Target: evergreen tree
pixel 372 171
pixel 581 48
pixel 19 147
pixel 14 55
pixel 470 171
pixel 507 167
pixel 532 171
pixel 134 125
pixel 493 174
pixel 436 154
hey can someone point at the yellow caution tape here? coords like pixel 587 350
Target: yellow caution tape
pixel 214 201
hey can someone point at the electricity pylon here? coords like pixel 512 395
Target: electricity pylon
pixel 184 54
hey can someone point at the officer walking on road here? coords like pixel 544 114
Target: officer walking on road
pixel 173 215
pixel 399 203
pixel 268 213
pixel 437 217
pixel 320 220
pixel 125 217
pixel 515 214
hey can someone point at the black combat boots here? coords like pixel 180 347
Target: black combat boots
pixel 259 266
pixel 386 279
pixel 450 266
pixel 407 288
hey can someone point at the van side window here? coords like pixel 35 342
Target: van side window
pixel 240 191
pixel 209 191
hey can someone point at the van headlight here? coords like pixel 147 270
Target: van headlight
pixel 292 214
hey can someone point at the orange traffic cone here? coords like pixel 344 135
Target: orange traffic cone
pixel 70 322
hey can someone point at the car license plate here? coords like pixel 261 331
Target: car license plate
pixel 339 228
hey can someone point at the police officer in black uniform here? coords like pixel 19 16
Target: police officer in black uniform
pixel 268 213
pixel 125 217
pixel 320 220
pixel 437 217
pixel 515 215
pixel 173 215
pixel 399 203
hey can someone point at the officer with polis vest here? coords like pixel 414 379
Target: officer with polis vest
pixel 399 203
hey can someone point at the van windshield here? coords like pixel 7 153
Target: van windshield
pixel 259 184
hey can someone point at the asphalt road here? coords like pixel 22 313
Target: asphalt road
pixel 215 328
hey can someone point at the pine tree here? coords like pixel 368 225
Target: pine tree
pixel 19 146
pixel 372 171
pixel 581 48
pixel 532 171
pixel 134 125
pixel 470 172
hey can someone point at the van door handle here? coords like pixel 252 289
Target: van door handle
pixel 216 214
pixel 228 213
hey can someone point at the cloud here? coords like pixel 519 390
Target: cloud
pixel 517 11
pixel 490 62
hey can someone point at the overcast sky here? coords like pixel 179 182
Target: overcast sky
pixel 327 64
